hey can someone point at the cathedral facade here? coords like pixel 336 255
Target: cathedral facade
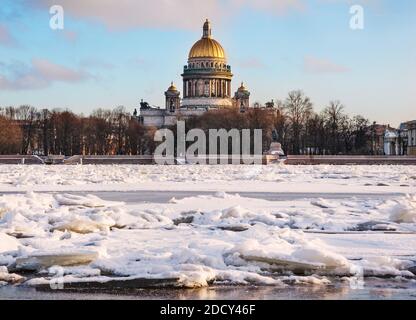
pixel 206 86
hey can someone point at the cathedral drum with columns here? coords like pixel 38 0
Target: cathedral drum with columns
pixel 206 86
pixel 207 77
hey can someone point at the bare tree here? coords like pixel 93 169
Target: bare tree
pixel 10 136
pixel 298 109
pixel 120 120
pixel 362 137
pixel 347 133
pixel 27 116
pixel 334 114
pixel 109 132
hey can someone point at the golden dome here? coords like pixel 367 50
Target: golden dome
pixel 242 87
pixel 172 87
pixel 207 47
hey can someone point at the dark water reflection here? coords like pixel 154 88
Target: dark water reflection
pixel 374 289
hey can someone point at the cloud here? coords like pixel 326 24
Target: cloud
pixel 125 14
pixel 41 73
pixel 317 65
pixel 96 63
pixel 271 6
pixel 6 38
pixel 55 72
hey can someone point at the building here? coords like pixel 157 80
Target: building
pixel 386 140
pixel 411 137
pixel 242 98
pixel 395 142
pixel 377 138
pixel 401 141
pixel 206 85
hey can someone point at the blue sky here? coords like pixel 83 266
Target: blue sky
pixel 114 53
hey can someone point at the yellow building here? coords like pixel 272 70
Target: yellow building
pixel 206 85
pixel 207 76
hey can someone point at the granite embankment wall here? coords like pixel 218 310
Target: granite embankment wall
pixel 349 160
pixel 266 159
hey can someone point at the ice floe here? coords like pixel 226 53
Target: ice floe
pixel 198 241
pixel 6 277
pixel 403 210
pixel 7 243
pixel 348 178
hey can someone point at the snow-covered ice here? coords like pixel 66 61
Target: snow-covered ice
pixel 199 240
pixel 235 178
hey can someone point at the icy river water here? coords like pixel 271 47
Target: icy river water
pixel 165 196
pixel 374 289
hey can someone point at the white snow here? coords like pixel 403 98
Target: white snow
pixel 7 243
pixel 39 260
pixel 402 210
pixel 230 178
pixel 6 277
pixel 203 239
pixel 197 240
pixel 89 201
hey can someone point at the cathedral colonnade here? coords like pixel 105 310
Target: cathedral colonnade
pixel 207 76
pixel 194 88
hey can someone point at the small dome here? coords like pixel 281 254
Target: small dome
pixel 242 87
pixel 207 47
pixel 172 87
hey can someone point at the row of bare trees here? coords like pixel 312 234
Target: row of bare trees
pixel 332 131
pixel 293 122
pixel 105 132
pixel 296 125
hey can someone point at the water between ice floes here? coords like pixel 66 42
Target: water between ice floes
pixel 374 289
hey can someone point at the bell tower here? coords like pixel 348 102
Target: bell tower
pixel 173 100
pixel 242 98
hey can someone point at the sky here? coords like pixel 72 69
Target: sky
pixel 111 53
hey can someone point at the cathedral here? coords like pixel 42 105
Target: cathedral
pixel 206 85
